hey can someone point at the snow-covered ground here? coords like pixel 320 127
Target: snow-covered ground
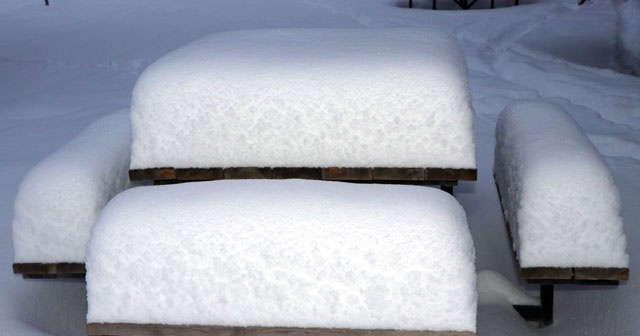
pixel 64 66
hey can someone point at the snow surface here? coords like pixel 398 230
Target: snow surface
pixel 66 65
pixel 629 32
pixel 558 194
pixel 284 253
pixel 59 200
pixel 306 98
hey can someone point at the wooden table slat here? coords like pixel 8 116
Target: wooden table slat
pixel 448 175
pixel 128 329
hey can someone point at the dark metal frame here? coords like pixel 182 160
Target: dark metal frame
pixel 464 4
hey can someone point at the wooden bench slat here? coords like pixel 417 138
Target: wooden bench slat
pixel 450 174
pixel 539 273
pixel 595 273
pixel 49 270
pixel 125 329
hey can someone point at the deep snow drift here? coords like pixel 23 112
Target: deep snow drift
pixel 66 65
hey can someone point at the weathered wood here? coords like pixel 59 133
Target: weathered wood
pixel 199 174
pixel 546 273
pixel 247 173
pixel 297 173
pixel 450 174
pixel 141 174
pixel 447 176
pixel 128 329
pixel 49 270
pixel 597 273
pixel 347 174
pixel 398 174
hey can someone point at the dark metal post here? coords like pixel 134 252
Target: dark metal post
pixel 410 3
pixel 447 188
pixel 46 2
pixel 546 301
pixel 434 4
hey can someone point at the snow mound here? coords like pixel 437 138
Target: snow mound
pixel 493 286
pixel 306 98
pixel 60 198
pixel 558 193
pixel 283 253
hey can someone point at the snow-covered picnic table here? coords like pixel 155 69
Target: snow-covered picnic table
pixel 376 105
pixel 355 104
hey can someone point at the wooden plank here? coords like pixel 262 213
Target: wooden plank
pixel 546 273
pixel 347 174
pixel 398 174
pixel 49 270
pixel 247 173
pixel 598 273
pixel 141 174
pixel 298 173
pixel 450 174
pixel 128 329
pixel 164 174
pixel 432 175
pixel 199 174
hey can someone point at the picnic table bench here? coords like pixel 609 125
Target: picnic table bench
pixel 53 217
pixel 559 201
pixel 266 257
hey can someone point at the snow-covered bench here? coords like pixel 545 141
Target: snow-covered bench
pixel 388 105
pixel 559 198
pixel 60 199
pixel 295 257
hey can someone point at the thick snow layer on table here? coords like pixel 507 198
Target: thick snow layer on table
pixel 558 193
pixel 60 199
pixel 306 98
pixel 629 32
pixel 283 253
